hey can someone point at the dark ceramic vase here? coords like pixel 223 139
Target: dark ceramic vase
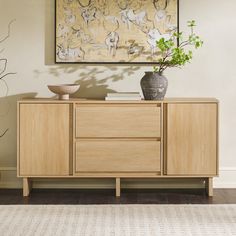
pixel 154 86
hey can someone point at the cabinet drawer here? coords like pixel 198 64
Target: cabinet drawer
pixel 118 121
pixel 117 156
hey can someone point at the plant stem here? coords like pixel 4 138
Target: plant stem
pixel 9 31
pixel 4 133
pixel 7 75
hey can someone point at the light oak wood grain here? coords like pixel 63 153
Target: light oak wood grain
pixel 209 187
pixel 164 147
pixel 117 156
pixel 100 101
pixel 117 121
pixel 18 139
pixel 26 187
pixel 117 187
pixel 191 139
pixel 174 138
pixel 44 139
pixel 112 174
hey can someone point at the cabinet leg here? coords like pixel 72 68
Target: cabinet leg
pixel 117 187
pixel 209 187
pixel 26 187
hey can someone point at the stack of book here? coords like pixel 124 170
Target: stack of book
pixel 131 96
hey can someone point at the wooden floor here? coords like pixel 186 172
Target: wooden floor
pixel 137 196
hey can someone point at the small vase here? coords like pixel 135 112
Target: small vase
pixel 154 86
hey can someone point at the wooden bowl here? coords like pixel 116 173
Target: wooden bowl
pixel 64 90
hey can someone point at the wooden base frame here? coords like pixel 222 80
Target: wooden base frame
pixel 27 185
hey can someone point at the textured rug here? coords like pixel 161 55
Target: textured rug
pixel 118 220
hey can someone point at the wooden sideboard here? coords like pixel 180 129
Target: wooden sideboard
pixel 174 138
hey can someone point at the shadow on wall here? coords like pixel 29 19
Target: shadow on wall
pixel 93 80
pixel 8 119
pixel 8 109
pixel 91 87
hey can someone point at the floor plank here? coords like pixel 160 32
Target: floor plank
pixel 128 196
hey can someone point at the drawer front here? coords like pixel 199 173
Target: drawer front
pixel 117 156
pixel 118 121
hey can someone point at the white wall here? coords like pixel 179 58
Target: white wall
pixel 30 53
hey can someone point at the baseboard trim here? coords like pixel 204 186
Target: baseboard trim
pixel 10 185
pixel 225 185
pixel 227 178
pixel 8 169
pixel 228 169
pixel 8 179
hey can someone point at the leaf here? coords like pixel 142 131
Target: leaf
pixel 177 56
pixel 156 68
pixel 191 23
pixel 3 65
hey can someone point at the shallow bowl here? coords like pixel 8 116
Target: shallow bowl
pixel 64 90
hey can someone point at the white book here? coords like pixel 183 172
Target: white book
pixel 124 94
pixel 137 98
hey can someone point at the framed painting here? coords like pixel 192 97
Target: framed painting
pixel 112 31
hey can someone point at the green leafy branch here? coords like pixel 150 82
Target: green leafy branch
pixel 177 56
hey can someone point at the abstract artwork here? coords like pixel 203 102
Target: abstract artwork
pixel 112 31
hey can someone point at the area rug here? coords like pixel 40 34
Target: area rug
pixel 118 220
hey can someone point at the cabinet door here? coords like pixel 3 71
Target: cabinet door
pixel 191 139
pixel 44 135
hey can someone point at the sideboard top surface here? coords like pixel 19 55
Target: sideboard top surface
pixel 93 101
